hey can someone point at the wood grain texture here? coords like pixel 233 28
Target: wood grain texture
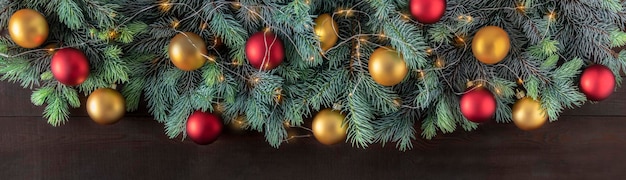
pixel 587 143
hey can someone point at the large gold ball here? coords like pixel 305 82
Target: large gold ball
pixel 327 30
pixel 328 127
pixel 528 114
pixel 106 106
pixel 387 67
pixel 187 51
pixel 491 44
pixel 28 28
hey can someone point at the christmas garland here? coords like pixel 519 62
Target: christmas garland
pixel 364 71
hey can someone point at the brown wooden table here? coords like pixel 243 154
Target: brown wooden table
pixel 586 143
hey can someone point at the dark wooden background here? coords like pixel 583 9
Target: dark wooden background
pixel 586 143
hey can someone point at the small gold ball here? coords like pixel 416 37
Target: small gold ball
pixel 528 114
pixel 491 44
pixel 328 127
pixel 28 28
pixel 188 51
pixel 387 67
pixel 106 106
pixel 327 30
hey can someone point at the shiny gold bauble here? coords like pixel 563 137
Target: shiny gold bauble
pixel 106 106
pixel 28 28
pixel 184 55
pixel 328 127
pixel 327 30
pixel 387 67
pixel 491 44
pixel 528 114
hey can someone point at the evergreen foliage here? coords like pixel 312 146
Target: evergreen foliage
pixel 126 43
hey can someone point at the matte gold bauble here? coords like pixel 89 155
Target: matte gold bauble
pixel 491 44
pixel 528 114
pixel 28 28
pixel 387 67
pixel 328 127
pixel 106 106
pixel 327 30
pixel 187 51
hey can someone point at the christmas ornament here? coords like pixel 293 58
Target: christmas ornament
pixel 478 105
pixel 427 11
pixel 28 28
pixel 387 67
pixel 491 44
pixel 70 66
pixel 106 106
pixel 264 50
pixel 597 82
pixel 528 114
pixel 328 127
pixel 187 51
pixel 203 128
pixel 327 30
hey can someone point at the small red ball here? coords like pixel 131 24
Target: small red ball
pixel 478 105
pixel 203 128
pixel 70 66
pixel 427 11
pixel 264 50
pixel 597 82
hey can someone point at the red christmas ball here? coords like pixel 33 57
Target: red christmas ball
pixel 597 82
pixel 427 11
pixel 478 105
pixel 203 128
pixel 70 66
pixel 265 50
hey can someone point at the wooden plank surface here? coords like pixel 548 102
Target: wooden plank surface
pixel 587 143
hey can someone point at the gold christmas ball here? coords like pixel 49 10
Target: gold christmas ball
pixel 528 114
pixel 28 28
pixel 106 106
pixel 327 30
pixel 328 127
pixel 387 67
pixel 184 55
pixel 491 44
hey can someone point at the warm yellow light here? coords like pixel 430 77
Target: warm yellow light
pixel 466 18
pixel 552 16
pixel 165 5
pixel 405 17
pixel 346 12
pixel 429 51
pixel 420 74
pixel 520 7
pixel 440 63
pixel 175 23
pixel 113 34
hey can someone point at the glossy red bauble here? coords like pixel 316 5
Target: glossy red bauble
pixel 264 50
pixel 478 105
pixel 203 128
pixel 427 11
pixel 597 82
pixel 70 66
